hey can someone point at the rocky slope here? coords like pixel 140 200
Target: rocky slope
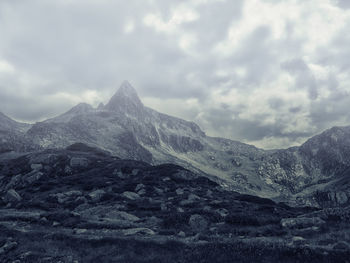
pixel 314 173
pixel 13 136
pixel 317 172
pixel 81 204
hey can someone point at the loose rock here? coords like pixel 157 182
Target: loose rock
pixel 131 195
pixel 198 223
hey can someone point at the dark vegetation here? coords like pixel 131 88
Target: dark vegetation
pixel 84 205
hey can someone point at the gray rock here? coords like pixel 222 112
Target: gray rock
pixel 341 198
pixel 297 241
pixel 36 166
pixel 301 222
pixel 12 196
pixel 121 215
pixel 209 193
pixel 180 210
pixel 141 192
pixel 158 190
pixel 130 195
pixel 10 214
pixel 222 212
pixel 309 231
pixel 15 181
pixel 140 230
pixel 79 162
pixel 66 197
pixel 198 223
pixel 80 231
pixel 120 174
pixel 193 197
pixel 179 191
pixel 139 187
pixel 97 195
pixel 135 171
pixel 181 234
pixel 68 169
pixel 9 245
pixel 341 246
pixel 32 177
pixel 164 207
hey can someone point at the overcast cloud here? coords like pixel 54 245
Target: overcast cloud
pixel 267 72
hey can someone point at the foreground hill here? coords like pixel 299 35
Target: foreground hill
pixel 81 204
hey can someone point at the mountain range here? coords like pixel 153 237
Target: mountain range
pixel 316 173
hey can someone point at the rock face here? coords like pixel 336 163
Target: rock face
pixel 315 173
pixel 93 215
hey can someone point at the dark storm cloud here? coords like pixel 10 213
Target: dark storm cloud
pixel 252 70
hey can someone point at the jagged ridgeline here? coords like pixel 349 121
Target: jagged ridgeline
pixel 313 174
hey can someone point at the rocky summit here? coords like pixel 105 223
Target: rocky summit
pixel 82 204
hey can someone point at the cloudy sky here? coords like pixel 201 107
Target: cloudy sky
pixel 267 72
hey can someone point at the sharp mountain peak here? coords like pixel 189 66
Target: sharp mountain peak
pixel 126 97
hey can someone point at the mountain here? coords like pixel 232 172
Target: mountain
pixel 313 174
pixel 12 135
pixel 127 128
pixel 82 204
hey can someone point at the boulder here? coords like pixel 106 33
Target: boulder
pixel 198 223
pixel 79 162
pixel 301 222
pixel 297 241
pixel 135 171
pixel 15 181
pixel 121 215
pixel 32 177
pixel 9 245
pixel 140 230
pixel 181 234
pixel 341 198
pixel 222 212
pixel 97 195
pixel 63 198
pixel 139 187
pixel 180 191
pixel 120 174
pixel 36 166
pixel 12 196
pixel 342 246
pixel 191 200
pixel 193 197
pixel 130 195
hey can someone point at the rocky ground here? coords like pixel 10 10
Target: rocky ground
pixel 84 205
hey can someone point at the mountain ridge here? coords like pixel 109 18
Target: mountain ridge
pixel 128 129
